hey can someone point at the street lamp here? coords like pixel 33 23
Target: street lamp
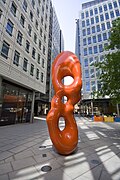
pixel 92 103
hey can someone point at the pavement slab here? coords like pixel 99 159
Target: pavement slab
pixel 26 149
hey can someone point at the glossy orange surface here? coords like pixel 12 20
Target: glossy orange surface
pixel 66 64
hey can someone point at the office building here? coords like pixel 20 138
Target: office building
pixel 92 33
pixel 24 34
pixel 55 46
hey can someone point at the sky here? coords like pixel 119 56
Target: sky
pixel 67 11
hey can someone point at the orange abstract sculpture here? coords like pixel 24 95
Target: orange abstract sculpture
pixel 65 64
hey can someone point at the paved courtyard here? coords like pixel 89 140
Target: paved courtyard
pixel 26 148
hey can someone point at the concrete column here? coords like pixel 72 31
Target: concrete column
pixel 92 106
pixel 0 89
pixel 118 113
pixel 32 108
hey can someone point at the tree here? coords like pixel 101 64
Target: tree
pixel 110 67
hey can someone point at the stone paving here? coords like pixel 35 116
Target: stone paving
pixel 26 148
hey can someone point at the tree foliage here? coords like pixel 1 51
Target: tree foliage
pixel 110 67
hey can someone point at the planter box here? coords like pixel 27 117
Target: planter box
pixel 109 119
pixel 117 119
pixel 98 118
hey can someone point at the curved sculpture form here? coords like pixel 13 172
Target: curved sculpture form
pixel 65 64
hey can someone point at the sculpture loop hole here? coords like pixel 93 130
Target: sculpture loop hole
pixel 61 124
pixel 64 99
pixel 67 80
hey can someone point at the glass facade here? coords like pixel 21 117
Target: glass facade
pixel 95 23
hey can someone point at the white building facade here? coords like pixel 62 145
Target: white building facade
pixel 24 33
pixel 94 26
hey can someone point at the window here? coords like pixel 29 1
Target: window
pixel 99 85
pixel 46 17
pixel 40 45
pixel 109 33
pixel 36 24
pixel 38 12
pixel 32 70
pixel 101 17
pixel 98 28
pixel 93 29
pixel 95 49
pixel 31 15
pixel 99 37
pixel 104 36
pixel 103 26
pixel 42 10
pixel 101 58
pixel 25 64
pixel 92 20
pixel 83 23
pixel 27 46
pixel 44 50
pixel 37 73
pixel 43 63
pixel 88 31
pixel 110 6
pixel 25 5
pixel 3 1
pixel 13 8
pixel 108 25
pixel 85 51
pixel 89 40
pixel 97 19
pixel 91 60
pixel 106 16
pixel 84 32
pixel 44 38
pixel 9 27
pixel 38 58
pixel 35 38
pixel 117 12
pixel 91 12
pixel 16 58
pixel 39 2
pixel 105 7
pixel 22 20
pixel 90 50
pixel 115 4
pixel 42 20
pixel 92 73
pixel 42 77
pixel 88 86
pixel 100 48
pixel 5 49
pixel 86 73
pixel 112 14
pixel 94 39
pixel 96 11
pixel 93 85
pixel 45 27
pixel 33 53
pixel 87 22
pixel 100 9
pixel 1 13
pixel 84 42
pixel 41 32
pixel 82 15
pixel 19 38
pixel 86 62
pixel 87 15
pixel 33 3
pixel 29 29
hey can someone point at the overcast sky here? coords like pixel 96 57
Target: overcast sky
pixel 67 11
